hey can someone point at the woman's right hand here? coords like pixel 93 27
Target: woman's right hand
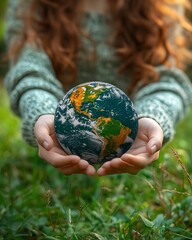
pixel 51 151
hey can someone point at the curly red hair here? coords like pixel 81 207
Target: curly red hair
pixel 142 31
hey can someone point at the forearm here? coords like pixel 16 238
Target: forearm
pixel 33 89
pixel 161 111
pixel 32 105
pixel 165 101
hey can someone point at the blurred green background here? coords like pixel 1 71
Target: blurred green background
pixel 38 202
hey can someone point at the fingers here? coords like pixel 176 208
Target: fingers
pixel 127 164
pixel 155 138
pixel 82 167
pixel 116 166
pixel 43 130
pixel 67 164
pixel 58 160
pixel 43 138
pixel 140 162
pixel 155 143
pixel 151 133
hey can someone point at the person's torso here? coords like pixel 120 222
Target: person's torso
pixel 105 65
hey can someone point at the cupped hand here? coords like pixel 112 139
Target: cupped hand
pixel 143 152
pixel 51 151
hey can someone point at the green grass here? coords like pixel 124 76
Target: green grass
pixel 38 202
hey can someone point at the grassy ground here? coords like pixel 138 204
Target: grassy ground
pixel 38 202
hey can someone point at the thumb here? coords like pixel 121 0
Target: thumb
pixel 155 140
pixel 43 129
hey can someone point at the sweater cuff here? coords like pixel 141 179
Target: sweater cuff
pixel 33 84
pixel 32 105
pixel 151 110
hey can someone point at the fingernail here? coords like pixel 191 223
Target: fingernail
pixel 153 149
pixel 45 144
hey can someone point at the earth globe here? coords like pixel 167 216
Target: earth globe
pixel 96 121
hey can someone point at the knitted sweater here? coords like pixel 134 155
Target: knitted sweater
pixel 34 89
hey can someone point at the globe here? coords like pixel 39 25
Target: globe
pixel 96 121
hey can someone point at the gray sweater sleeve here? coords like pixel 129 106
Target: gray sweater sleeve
pixel 30 82
pixel 165 101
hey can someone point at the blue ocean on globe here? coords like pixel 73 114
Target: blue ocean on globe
pixel 96 121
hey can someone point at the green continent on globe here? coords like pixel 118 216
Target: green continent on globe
pixel 112 132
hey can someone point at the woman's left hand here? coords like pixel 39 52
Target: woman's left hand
pixel 144 150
